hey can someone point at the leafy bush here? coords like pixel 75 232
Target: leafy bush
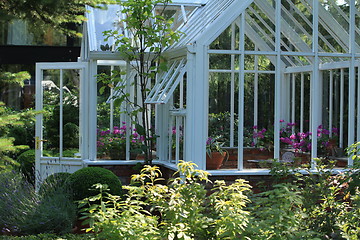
pixel 48 236
pixel 24 134
pixel 83 179
pixel 26 162
pixel 7 148
pixel 276 214
pixel 55 213
pixel 24 211
pixel 328 208
pixel 181 210
pixel 53 183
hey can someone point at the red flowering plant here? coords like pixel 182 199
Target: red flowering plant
pixel 113 143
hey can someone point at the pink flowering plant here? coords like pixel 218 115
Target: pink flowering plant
pixel 290 137
pixel 262 138
pixel 113 143
pixel 301 141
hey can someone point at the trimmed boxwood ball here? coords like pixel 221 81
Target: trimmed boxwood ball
pixel 53 183
pixel 81 181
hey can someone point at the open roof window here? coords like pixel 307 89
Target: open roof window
pixel 167 83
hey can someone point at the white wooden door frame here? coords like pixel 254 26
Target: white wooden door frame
pixel 51 162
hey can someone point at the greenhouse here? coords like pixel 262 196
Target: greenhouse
pixel 281 76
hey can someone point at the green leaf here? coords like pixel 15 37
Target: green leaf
pixel 102 89
pixel 140 129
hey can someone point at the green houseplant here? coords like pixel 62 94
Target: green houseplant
pixel 215 155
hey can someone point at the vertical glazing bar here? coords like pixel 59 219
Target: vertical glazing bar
pixel 311 99
pixel 232 91
pixel 92 109
pixel 111 101
pixel 358 106
pixel 171 132
pixel 61 114
pixel 302 103
pixel 341 133
pixel 293 101
pixel 182 92
pixel 183 137
pixel 331 90
pixel 241 94
pixel 177 140
pixel 315 91
pixel 278 73
pixel 351 108
pixel 128 120
pixel 256 90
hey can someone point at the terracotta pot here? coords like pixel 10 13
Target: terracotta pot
pixel 215 160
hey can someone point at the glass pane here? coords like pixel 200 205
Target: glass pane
pixel 61 117
pixel 112 126
pixel 51 102
pixel 71 123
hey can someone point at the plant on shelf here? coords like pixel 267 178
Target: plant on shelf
pixel 301 141
pixel 262 139
pixel 215 154
pixel 113 143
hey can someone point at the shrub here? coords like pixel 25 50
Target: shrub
pixel 17 198
pixel 24 133
pixel 27 164
pixel 53 183
pixel 55 213
pixel 186 209
pixel 82 180
pixel 49 236
pixel 24 211
pixel 276 214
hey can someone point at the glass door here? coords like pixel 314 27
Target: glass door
pixel 59 100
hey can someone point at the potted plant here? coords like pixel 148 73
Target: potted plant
pixel 215 155
pixel 112 144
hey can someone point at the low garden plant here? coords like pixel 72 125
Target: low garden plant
pixel 311 205
pixel 81 181
pixel 307 205
pixel 24 211
pixel 180 210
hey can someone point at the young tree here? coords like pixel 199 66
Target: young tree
pixel 149 33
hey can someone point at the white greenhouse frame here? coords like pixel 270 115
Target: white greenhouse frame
pixel 296 53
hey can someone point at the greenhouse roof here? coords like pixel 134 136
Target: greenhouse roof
pixel 202 21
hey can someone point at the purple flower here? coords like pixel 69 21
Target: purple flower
pixel 302 135
pixel 291 124
pixel 335 130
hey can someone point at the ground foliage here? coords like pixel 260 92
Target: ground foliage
pixel 313 205
pixel 180 210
